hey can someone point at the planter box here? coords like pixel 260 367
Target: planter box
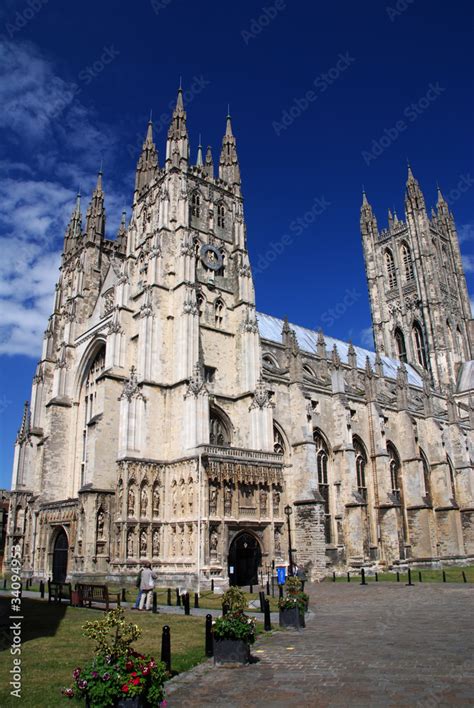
pixel 231 651
pixel 291 617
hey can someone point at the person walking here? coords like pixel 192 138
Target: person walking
pixel 147 583
pixel 137 601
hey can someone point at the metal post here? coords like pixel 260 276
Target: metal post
pixel 196 600
pixel 409 583
pixel 154 608
pixel 124 595
pixel 209 645
pixel 261 596
pixel 362 575
pixel 251 588
pixel 4 583
pixel 268 622
pixel 212 585
pixel 42 589
pixel 419 576
pixel 444 576
pixel 464 577
pixel 168 599
pixel 166 648
pixel 376 577
pixel 186 603
pixel 348 577
pixel 273 586
pixel 280 591
pixel 334 577
pixel 288 511
pixel 398 576
pixel 178 598
pixel 268 587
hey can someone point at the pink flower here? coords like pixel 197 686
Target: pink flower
pixel 68 692
pixel 76 673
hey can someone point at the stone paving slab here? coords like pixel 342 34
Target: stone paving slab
pixel 379 645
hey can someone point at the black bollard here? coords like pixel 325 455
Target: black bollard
pixel 268 587
pixel 212 585
pixel 154 608
pixel 186 603
pixel 268 622
pixel 280 591
pixel 178 598
pixel 420 579
pixel 166 648
pixel 464 577
pixel 376 577
pixel 4 583
pixel 261 596
pixel 209 645
pixel 168 596
pixel 444 576
pixel 398 576
pixel 42 589
pixel 362 575
pixel 196 600
pixel 273 586
pixel 124 595
pixel 348 577
pixel 251 588
pixel 409 583
pixel 334 577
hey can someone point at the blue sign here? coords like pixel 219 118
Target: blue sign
pixel 281 575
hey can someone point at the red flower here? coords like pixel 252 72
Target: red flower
pixel 136 681
pixel 129 665
pixel 125 688
pixel 134 673
pixel 146 671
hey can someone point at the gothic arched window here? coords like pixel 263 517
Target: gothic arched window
pixel 452 479
pixel 196 204
pixel 426 477
pixel 390 265
pixel 201 303
pixel 219 313
pixel 407 262
pixel 89 404
pixel 221 215
pixel 218 430
pixel 419 342
pixel 394 465
pixel 278 442
pixel 400 342
pixel 308 370
pixel 361 464
pixel 322 458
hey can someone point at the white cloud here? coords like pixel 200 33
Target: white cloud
pixel 468 263
pixel 366 338
pixel 53 146
pixel 466 233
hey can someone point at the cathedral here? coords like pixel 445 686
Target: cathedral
pixel 172 422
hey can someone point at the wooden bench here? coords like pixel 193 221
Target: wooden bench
pixel 89 593
pixel 58 592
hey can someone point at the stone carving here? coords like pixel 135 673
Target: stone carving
pixel 190 491
pixel 228 500
pixel 213 494
pixel 276 497
pixel 100 524
pixel 263 501
pixel 155 543
pixel 174 497
pixel 144 501
pixel 213 543
pixel 261 396
pixel 131 389
pixel 130 544
pixel 277 543
pixel 143 543
pixel 156 501
pixel 131 501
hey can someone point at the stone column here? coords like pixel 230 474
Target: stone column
pixel 309 536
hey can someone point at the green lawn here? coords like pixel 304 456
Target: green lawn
pixel 53 646
pixel 428 575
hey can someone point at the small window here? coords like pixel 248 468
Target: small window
pixel 394 465
pixel 361 464
pixel 400 342
pixel 407 263
pixel 201 303
pixel 221 216
pixel 218 432
pixel 390 265
pixel 196 204
pixel 219 313
pixel 209 374
pixel 278 442
pixel 322 457
pixel 419 343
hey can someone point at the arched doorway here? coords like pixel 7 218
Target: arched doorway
pixel 245 557
pixel 60 557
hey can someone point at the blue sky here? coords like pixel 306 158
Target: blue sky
pixel 325 98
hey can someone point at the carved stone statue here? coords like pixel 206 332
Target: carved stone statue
pixel 213 543
pixel 144 502
pixel 213 493
pixel 156 501
pixel 276 502
pixel 143 544
pixel 277 541
pixel 190 495
pixel 155 543
pixel 100 524
pixel 182 495
pixel 263 501
pixel 174 498
pixel 227 500
pixel 130 548
pixel 131 502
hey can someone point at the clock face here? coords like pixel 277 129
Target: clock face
pixel 211 257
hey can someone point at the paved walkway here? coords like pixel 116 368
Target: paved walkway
pixel 380 645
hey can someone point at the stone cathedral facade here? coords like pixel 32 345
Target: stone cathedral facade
pixel 171 422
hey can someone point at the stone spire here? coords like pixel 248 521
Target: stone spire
pixel 25 426
pixel 95 217
pixel 390 220
pixel 368 222
pixel 147 164
pixel 177 145
pixel 378 364
pixel 351 356
pixel 121 238
pixel 321 345
pixel 229 170
pixel 209 166
pixel 414 199
pixel 74 229
pixel 442 206
pixel 199 162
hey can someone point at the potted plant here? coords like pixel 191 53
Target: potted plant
pixel 234 632
pixel 293 605
pixel 117 675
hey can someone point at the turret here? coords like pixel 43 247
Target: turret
pixel 147 165
pixel 368 222
pixel 209 166
pixel 414 200
pixel 74 228
pixel 177 145
pixel 95 217
pixel 229 170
